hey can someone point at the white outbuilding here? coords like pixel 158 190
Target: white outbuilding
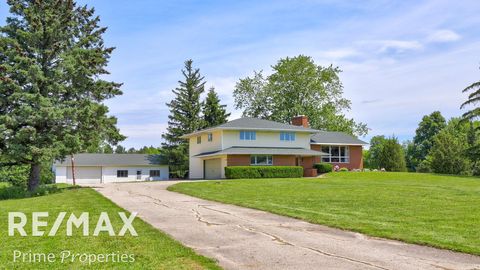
pixel 109 168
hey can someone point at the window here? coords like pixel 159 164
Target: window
pixel 287 136
pixel 210 137
pixel 154 173
pixel 122 173
pixel 338 154
pixel 248 135
pixel 199 139
pixel 261 160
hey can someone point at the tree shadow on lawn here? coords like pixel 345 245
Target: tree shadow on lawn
pixel 10 192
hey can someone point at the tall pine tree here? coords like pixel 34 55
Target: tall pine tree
pixel 473 99
pixel 214 113
pixel 52 57
pixel 184 118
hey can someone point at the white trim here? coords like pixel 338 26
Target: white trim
pixel 347 151
pixel 221 139
pixel 255 164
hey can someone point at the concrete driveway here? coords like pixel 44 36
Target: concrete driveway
pixel 242 238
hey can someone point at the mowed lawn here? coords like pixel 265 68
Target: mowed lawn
pixel 152 249
pixel 435 210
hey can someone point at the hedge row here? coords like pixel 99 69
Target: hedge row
pixel 323 167
pixel 241 172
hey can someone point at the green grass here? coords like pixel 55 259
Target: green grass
pixel 436 210
pixel 152 249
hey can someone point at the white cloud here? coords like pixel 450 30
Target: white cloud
pixel 339 53
pixel 399 45
pixel 443 36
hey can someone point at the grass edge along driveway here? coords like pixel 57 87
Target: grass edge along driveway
pixel 152 248
pixel 435 210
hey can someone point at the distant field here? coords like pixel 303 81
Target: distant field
pixel 152 249
pixel 436 210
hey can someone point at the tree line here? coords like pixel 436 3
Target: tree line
pixel 439 146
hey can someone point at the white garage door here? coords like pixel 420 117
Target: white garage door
pixel 85 175
pixel 213 169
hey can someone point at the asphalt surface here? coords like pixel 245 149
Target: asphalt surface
pixel 242 238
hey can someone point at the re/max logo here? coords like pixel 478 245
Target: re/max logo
pixel 18 220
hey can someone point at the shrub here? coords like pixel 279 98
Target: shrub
pixel 343 170
pixel 323 167
pixel 238 172
pixel 18 192
pixel 424 167
pixel 18 175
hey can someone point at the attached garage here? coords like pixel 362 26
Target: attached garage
pixel 86 174
pixel 213 168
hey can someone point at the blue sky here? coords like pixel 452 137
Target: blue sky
pixel 400 59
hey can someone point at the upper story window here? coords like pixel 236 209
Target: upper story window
pixel 210 137
pixel 248 135
pixel 199 139
pixel 338 154
pixel 287 136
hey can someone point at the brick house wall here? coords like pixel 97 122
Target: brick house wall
pixel 356 157
pixel 284 160
pixel 238 160
pixel 278 160
pixel 244 160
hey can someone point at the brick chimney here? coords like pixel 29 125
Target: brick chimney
pixel 300 120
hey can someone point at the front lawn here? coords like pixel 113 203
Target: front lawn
pixel 436 210
pixel 152 249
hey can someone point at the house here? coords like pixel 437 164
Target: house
pixel 251 141
pixel 108 168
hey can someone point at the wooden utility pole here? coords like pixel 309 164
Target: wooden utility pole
pixel 73 168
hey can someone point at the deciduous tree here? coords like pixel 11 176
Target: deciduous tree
pixel 298 86
pixel 430 126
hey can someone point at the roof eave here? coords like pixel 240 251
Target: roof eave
pixel 334 143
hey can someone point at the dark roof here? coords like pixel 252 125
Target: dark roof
pixel 113 160
pixel 256 124
pixel 263 151
pixel 333 137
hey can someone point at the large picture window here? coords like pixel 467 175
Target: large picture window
pixel 248 135
pixel 287 136
pixel 338 154
pixel 261 160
